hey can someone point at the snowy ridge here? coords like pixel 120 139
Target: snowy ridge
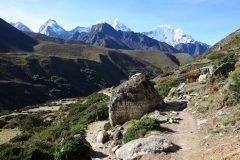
pixel 120 26
pixel 165 33
pixel 20 26
pixel 80 29
pixel 51 28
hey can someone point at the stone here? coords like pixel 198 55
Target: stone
pixel 150 145
pixel 200 122
pixel 133 99
pixel 172 92
pixel 159 117
pixel 115 148
pixel 180 88
pixel 202 78
pixel 208 69
pixel 102 137
pixel 118 135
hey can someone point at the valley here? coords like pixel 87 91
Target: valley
pixel 68 98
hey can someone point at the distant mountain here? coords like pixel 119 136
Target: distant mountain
pixel 11 39
pixel 165 33
pixel 53 29
pixel 195 49
pixel 178 39
pixel 132 40
pixel 120 26
pixel 20 26
pixel 80 30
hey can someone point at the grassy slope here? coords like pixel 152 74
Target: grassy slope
pixel 157 58
pixel 226 45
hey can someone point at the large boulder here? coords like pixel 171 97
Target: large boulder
pixel 141 146
pixel 132 99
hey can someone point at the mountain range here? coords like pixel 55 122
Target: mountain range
pixel 163 33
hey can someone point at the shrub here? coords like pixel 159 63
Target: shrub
pixel 31 121
pixel 74 148
pixel 2 123
pixel 228 121
pixel 140 128
pixel 192 76
pixel 215 55
pixel 164 87
pixel 235 88
pixel 213 88
pixel 107 126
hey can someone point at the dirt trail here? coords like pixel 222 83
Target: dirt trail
pixel 101 151
pixel 185 135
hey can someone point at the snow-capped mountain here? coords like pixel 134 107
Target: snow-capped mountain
pixel 20 26
pixel 53 29
pixel 165 33
pixel 80 29
pixel 120 26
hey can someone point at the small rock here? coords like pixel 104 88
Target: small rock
pixel 120 128
pixel 102 137
pixel 200 122
pixel 115 148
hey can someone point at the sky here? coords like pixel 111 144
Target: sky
pixel 207 21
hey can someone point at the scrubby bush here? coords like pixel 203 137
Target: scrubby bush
pixel 107 126
pixel 216 55
pixel 235 87
pixel 75 148
pixel 2 123
pixel 164 87
pixel 140 129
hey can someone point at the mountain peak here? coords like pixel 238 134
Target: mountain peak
pixel 53 29
pixel 20 26
pixel 167 34
pixel 120 26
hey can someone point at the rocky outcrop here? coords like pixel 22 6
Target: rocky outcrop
pixel 224 68
pixel 152 144
pixel 132 99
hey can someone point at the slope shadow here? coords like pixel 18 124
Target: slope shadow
pixel 100 155
pixel 174 106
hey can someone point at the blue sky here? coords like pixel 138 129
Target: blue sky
pixel 207 21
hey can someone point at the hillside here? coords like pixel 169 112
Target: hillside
pixel 229 44
pixel 11 39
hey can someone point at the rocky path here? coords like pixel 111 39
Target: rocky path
pixel 101 151
pixel 185 135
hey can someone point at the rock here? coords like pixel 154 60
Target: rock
pixel 207 69
pixel 102 137
pixel 118 135
pixel 200 122
pixel 121 128
pixel 115 148
pixel 141 146
pixel 180 88
pixel 159 117
pixel 175 117
pixel 170 120
pixel 133 99
pixel 203 78
pixel 224 68
pixel 172 92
